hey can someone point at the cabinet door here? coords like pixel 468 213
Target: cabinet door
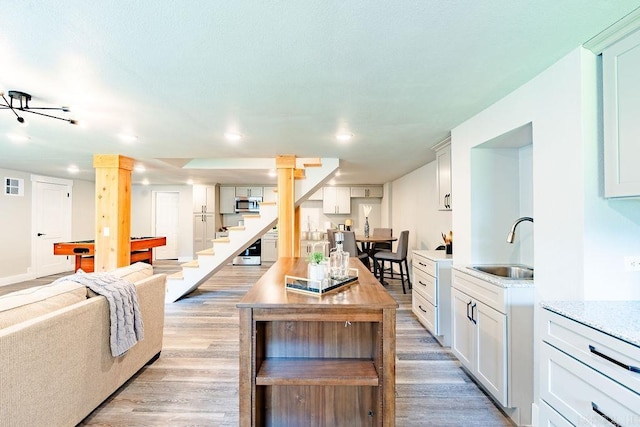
pixel 462 329
pixel 491 349
pixel 443 158
pixel 204 230
pixel 227 200
pixel 269 194
pixel 336 200
pixel 373 191
pixel 621 106
pixel 204 199
pixel 269 249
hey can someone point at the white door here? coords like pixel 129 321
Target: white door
pixel 167 205
pixel 50 223
pixel 491 350
pixel 462 329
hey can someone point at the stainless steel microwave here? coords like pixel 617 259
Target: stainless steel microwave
pixel 248 204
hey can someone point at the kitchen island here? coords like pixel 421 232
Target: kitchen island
pixel 317 360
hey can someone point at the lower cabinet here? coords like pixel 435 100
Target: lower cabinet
pixel 492 337
pixel 431 298
pixel 269 247
pixel 586 376
pixel 204 230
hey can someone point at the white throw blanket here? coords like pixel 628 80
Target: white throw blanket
pixel 126 320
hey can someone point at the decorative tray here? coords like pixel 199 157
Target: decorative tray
pixel 319 287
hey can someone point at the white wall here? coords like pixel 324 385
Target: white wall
pixel 580 238
pixel 83 224
pixel 414 207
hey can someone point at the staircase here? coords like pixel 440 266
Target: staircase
pixel 223 250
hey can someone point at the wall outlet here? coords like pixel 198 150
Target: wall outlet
pixel 632 263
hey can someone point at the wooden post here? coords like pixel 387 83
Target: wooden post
pixel 113 211
pixel 286 166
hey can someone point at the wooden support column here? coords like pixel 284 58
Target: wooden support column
pixel 113 211
pixel 286 165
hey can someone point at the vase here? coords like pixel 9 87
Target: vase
pixel 366 226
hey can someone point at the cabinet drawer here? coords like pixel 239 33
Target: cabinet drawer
pixel 426 313
pixel 550 418
pixel 596 349
pixel 582 395
pixel 490 294
pixel 425 285
pixel 424 264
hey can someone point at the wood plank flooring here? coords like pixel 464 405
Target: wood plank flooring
pixel 195 381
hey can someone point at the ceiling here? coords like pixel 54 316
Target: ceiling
pixel 286 75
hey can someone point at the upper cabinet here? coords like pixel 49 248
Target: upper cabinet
pixel 369 191
pixel 227 200
pixel 336 200
pixel 443 159
pixel 270 194
pixel 249 191
pixel 204 199
pixel 621 108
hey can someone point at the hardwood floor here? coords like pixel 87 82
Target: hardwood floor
pixel 195 381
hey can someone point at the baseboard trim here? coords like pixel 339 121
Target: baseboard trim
pixel 10 280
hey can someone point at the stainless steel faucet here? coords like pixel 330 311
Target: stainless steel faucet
pixel 512 233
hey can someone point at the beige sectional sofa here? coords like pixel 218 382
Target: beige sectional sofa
pixel 55 360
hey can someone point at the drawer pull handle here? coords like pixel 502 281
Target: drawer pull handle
pixel 603 415
pixel 423 284
pixel 420 307
pixel 593 350
pixel 424 265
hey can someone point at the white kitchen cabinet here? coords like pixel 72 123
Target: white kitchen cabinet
pixel 621 108
pixel 587 376
pixel 269 194
pixel 492 334
pixel 269 247
pixel 443 174
pixel 204 230
pixel 336 200
pixel 431 299
pixel 249 191
pixel 204 199
pixel 369 191
pixel 227 200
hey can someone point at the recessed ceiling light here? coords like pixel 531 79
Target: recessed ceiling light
pixel 337 173
pixel 139 168
pixel 189 182
pixel 17 138
pixel 127 138
pixel 73 169
pixel 145 181
pixel 232 136
pixel 344 136
pixel 272 173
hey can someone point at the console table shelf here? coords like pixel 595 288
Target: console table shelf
pixel 301 371
pixel 322 361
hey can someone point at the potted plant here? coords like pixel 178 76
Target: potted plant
pixel 318 268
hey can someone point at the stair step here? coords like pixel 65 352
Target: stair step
pixel 178 275
pixel 251 216
pixel 190 264
pixel 206 252
pixel 236 227
pixel 267 203
pixel 221 240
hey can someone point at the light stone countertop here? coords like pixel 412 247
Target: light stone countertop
pixel 620 319
pixel 434 256
pixel 495 280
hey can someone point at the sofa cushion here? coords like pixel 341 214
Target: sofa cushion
pixel 28 303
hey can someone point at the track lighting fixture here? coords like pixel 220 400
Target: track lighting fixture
pixel 22 104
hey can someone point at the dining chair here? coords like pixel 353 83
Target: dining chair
pixel 331 238
pixel 382 246
pixel 399 257
pixel 350 245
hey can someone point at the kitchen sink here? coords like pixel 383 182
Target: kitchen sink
pixel 506 271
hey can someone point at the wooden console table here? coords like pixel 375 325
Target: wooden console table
pixel 310 360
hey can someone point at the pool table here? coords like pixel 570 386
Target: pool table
pixel 83 250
